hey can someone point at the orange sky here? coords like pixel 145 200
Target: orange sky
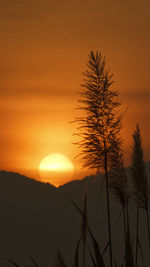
pixel 44 48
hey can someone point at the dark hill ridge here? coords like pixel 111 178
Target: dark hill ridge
pixel 38 217
pixel 18 178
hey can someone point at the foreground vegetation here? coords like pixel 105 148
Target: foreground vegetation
pixel 101 149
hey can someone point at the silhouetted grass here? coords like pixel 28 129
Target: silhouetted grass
pixel 121 193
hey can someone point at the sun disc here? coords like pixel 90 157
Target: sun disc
pixel 56 169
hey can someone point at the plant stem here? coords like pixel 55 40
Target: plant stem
pixel 124 224
pixel 137 236
pixel 148 228
pixel 83 254
pixel 108 212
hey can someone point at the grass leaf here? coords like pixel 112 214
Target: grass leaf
pixel 76 260
pixel 141 251
pixel 106 247
pixel 98 256
pixel 93 260
pixel 59 261
pixel 10 261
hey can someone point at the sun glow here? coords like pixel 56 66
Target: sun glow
pixel 56 169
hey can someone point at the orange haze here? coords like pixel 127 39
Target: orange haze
pixel 44 48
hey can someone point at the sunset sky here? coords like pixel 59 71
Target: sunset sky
pixel 44 49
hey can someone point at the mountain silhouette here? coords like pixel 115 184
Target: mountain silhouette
pixel 38 218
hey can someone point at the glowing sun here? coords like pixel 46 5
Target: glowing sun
pixel 56 169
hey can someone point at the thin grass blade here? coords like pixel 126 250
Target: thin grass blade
pixel 98 255
pixel 92 257
pixel 22 251
pixel 10 261
pixel 106 247
pixel 59 261
pixel 142 256
pixel 76 260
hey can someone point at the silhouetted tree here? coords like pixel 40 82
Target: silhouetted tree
pixel 100 125
pixel 140 182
